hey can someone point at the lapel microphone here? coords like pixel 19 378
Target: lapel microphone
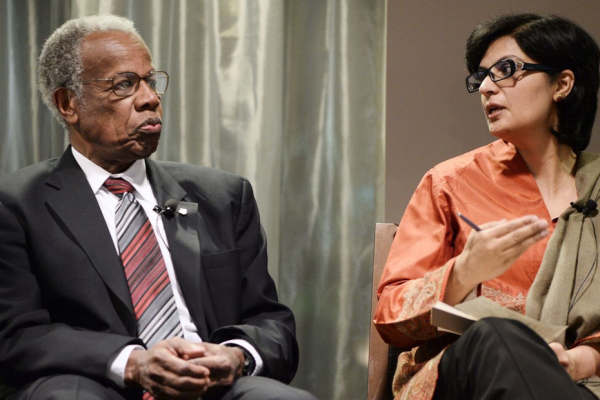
pixel 590 206
pixel 168 210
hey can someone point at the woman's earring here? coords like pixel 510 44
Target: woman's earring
pixel 559 98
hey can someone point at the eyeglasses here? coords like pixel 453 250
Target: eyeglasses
pixel 125 84
pixel 502 70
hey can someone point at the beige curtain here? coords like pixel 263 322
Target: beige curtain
pixel 286 93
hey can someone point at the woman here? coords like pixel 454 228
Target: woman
pixel 538 79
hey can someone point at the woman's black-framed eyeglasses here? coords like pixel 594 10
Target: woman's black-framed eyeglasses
pixel 502 70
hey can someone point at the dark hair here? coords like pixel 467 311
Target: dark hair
pixel 559 43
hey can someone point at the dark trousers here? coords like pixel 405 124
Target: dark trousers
pixel 503 359
pixel 73 387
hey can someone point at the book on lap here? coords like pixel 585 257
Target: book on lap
pixel 459 318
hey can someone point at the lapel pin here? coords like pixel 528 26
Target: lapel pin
pixel 182 211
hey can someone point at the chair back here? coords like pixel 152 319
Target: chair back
pixel 378 387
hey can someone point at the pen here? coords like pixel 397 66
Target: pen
pixel 469 222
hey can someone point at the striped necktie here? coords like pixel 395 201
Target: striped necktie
pixel 147 277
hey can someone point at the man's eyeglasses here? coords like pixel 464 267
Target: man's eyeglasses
pixel 124 84
pixel 502 70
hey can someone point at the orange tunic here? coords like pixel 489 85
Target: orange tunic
pixel 488 184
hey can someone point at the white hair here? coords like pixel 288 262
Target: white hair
pixel 60 63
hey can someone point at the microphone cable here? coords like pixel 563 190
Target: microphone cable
pixel 590 206
pixel 158 230
pixel 169 211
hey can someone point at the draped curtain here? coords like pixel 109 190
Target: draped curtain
pixel 286 93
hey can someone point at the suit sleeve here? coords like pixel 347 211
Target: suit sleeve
pixel 265 323
pixel 31 345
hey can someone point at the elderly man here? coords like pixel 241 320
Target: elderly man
pixel 121 277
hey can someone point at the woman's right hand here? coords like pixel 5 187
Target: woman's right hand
pixel 490 252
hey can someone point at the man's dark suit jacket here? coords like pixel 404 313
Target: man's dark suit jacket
pixel 65 305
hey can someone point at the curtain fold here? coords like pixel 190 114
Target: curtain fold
pixel 333 180
pixel 29 133
pixel 286 93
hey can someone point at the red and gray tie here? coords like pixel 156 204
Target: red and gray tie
pixel 147 277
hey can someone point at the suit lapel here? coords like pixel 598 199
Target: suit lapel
pixel 184 245
pixel 75 204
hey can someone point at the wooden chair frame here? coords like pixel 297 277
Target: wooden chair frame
pixel 382 357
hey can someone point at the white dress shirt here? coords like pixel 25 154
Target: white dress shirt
pixel 136 175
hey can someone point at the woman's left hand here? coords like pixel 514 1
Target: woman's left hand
pixel 580 362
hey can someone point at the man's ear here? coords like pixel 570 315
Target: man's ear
pixel 67 104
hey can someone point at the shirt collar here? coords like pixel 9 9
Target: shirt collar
pixel 96 175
